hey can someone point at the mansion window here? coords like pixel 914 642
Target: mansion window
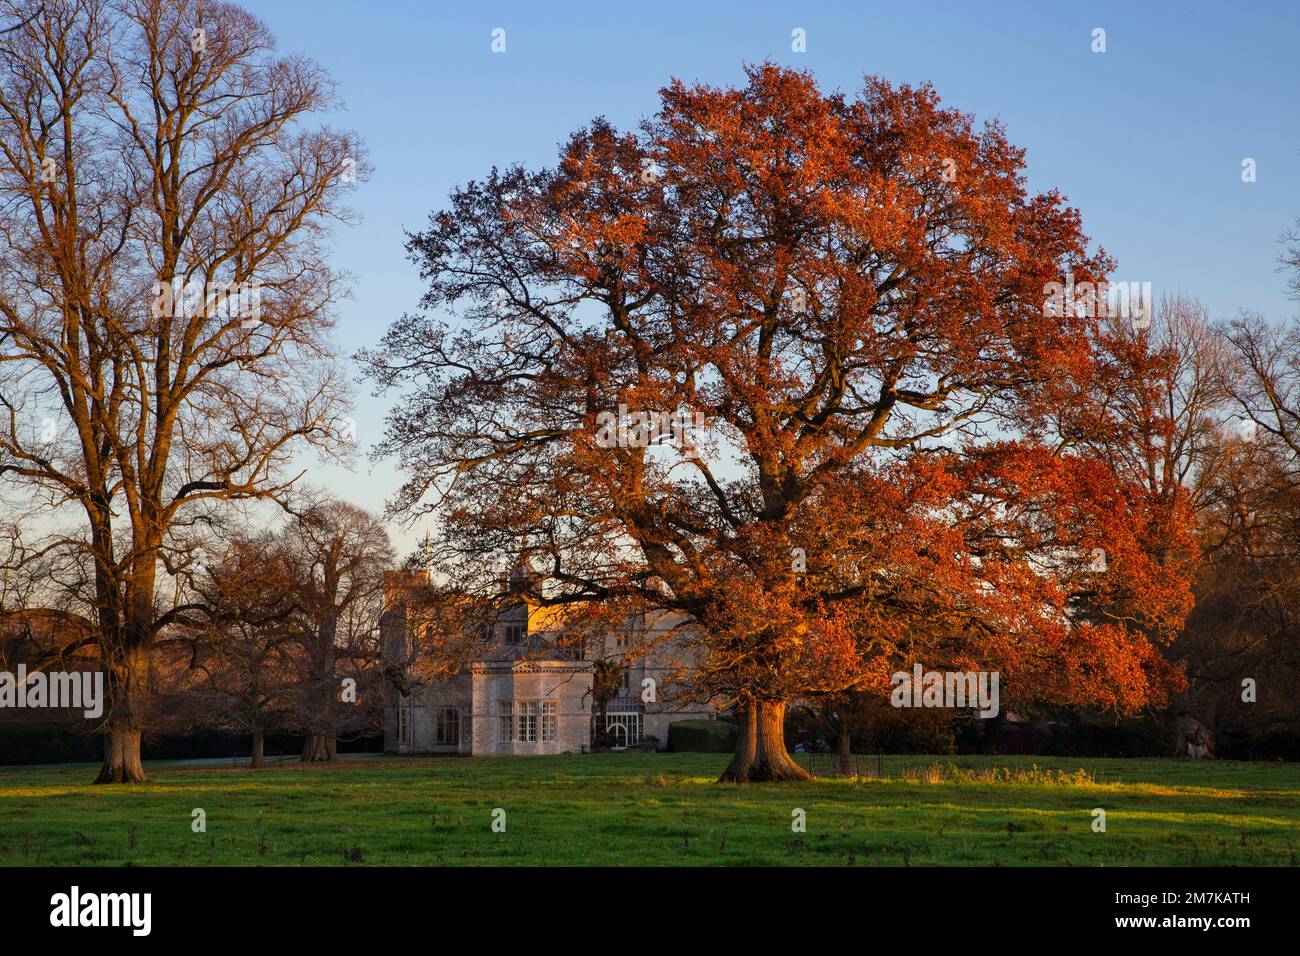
pixel 505 720
pixel 403 721
pixel 527 710
pixel 550 720
pixel 514 633
pixel 517 720
pixel 624 729
pixel 448 726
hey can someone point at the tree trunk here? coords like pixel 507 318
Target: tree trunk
pixel 259 749
pixel 846 746
pixel 320 745
pixel 746 744
pixel 122 762
pixel 1195 739
pixel 127 685
pixel 772 761
pixel 315 748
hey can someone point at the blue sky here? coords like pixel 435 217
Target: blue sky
pixel 1146 139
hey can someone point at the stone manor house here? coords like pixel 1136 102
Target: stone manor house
pixel 527 690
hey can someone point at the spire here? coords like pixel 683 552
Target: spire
pixel 426 553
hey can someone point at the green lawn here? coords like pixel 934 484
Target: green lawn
pixel 661 809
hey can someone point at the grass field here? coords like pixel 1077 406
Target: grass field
pixel 658 809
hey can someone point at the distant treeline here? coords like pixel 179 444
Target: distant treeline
pixel 42 742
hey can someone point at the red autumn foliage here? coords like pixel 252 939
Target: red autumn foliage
pixel 903 452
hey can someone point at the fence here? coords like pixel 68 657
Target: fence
pixel 237 761
pixel 871 766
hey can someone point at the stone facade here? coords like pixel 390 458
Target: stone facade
pixel 525 692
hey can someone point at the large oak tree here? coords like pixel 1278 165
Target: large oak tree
pixel 850 291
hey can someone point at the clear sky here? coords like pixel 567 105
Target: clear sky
pixel 1147 139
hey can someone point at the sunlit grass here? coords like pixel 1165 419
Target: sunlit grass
pixel 659 809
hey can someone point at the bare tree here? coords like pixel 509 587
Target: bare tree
pixel 339 554
pixel 243 654
pixel 165 296
pixel 1289 259
pixel 1243 631
pixel 1193 401
pixel 1266 380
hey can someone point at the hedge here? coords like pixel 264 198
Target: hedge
pixel 702 736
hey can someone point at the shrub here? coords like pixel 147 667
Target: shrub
pixel 38 741
pixel 702 736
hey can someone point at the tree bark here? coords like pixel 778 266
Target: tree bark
pixel 320 746
pixel 316 748
pixel 122 762
pixel 846 746
pixel 128 694
pixel 746 744
pixel 259 749
pixel 600 738
pixel 772 762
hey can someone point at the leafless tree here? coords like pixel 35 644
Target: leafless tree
pixel 1289 260
pixel 165 295
pixel 1266 380
pixel 339 554
pixel 243 654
